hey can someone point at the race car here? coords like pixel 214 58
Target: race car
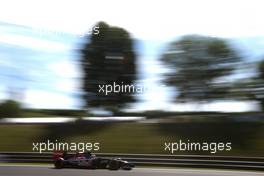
pixel 89 161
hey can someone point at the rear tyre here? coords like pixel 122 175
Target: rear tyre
pixel 58 164
pixel 94 164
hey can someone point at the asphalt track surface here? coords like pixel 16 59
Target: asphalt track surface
pixel 19 170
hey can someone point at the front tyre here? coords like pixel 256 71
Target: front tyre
pixel 114 165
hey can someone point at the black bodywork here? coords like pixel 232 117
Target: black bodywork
pixel 89 161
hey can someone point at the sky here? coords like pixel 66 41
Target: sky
pixel 154 23
pixel 160 19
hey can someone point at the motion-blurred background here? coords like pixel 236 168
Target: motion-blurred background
pixel 201 63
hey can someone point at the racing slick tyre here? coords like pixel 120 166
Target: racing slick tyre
pixel 114 165
pixel 58 164
pixel 103 164
pixel 94 164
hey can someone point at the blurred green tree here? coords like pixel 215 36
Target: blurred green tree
pixel 261 70
pixel 255 86
pixel 10 108
pixel 107 58
pixel 198 66
pixel 251 88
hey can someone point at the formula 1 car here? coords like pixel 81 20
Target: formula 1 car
pixel 89 161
